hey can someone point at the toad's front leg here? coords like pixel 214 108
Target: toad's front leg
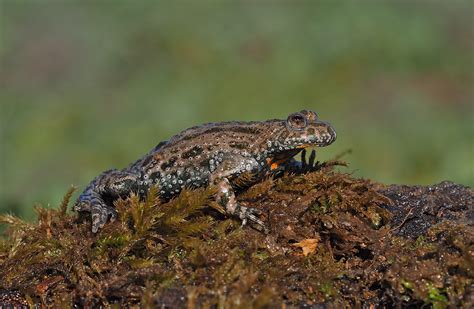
pixel 299 167
pixel 226 196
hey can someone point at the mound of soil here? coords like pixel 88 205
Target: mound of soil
pixel 334 241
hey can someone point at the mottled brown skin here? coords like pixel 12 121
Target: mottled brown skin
pixel 213 153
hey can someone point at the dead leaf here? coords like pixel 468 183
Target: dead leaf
pixel 308 245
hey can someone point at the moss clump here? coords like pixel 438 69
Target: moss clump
pixel 332 240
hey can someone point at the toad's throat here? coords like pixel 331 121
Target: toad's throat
pixel 280 158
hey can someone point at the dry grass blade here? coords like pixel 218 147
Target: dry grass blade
pixel 65 201
pixel 13 221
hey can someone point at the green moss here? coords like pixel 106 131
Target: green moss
pixel 327 289
pixel 436 297
pixel 185 251
pixel 407 284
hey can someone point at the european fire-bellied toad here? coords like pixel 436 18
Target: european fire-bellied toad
pixel 213 153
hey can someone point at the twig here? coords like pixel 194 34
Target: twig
pixel 404 220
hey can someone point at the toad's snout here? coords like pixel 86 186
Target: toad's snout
pixel 332 133
pixel 323 133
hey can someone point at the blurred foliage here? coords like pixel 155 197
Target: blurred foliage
pixel 87 86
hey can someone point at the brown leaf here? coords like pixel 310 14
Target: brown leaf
pixel 308 245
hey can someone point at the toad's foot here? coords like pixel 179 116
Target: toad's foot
pixel 111 183
pixel 100 212
pixel 299 167
pixel 252 215
pixel 226 198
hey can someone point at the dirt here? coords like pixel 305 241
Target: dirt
pixel 334 241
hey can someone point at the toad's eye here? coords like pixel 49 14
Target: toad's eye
pixel 297 121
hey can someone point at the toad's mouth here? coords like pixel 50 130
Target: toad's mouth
pixel 323 138
pixel 305 146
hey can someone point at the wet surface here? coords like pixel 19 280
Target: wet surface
pixel 420 207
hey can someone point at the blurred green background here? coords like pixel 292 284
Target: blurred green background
pixel 86 86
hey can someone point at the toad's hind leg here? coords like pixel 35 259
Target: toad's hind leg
pixel 107 186
pixel 226 196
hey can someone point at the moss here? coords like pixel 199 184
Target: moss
pixel 436 297
pixel 185 252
